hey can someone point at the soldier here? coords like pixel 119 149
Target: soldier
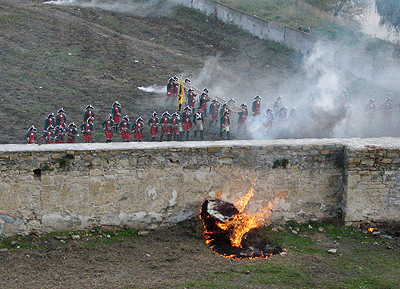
pixel 198 121
pixel 116 114
pixel 48 135
pixel 256 107
pixel 107 125
pixel 282 113
pixel 61 118
pixel 59 133
pixel 153 123
pixel 214 111
pixel 190 98
pixel 125 127
pixel 31 135
pixel 72 133
pixel 388 106
pixel 88 113
pixel 187 123
pixel 174 122
pixel 137 129
pixel 49 121
pixel 277 105
pixel 370 109
pixel 87 129
pixel 203 99
pixel 165 126
pixel 242 117
pixel 170 84
pixel 225 123
pixel 268 120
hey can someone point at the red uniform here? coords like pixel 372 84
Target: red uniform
pixel 138 127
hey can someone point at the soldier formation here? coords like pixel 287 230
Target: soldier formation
pixel 191 115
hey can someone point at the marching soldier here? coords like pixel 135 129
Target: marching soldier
pixel 49 121
pixel 138 128
pixel 370 109
pixel 187 123
pixel 116 114
pixel 277 105
pixel 198 120
pixel 31 135
pixel 88 113
pixel 256 107
pixel 165 126
pixel 153 123
pixel 125 127
pixel 190 97
pixel 59 133
pixel 48 135
pixel 225 123
pixel 214 111
pixel 107 125
pixel 203 100
pixel 61 118
pixel 87 129
pixel 72 133
pixel 242 117
pixel 175 124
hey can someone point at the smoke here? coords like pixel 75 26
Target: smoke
pixel 143 9
pixel 153 89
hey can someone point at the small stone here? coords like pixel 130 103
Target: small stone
pixel 274 230
pixel 75 237
pixel 320 229
pixel 309 226
pixel 153 227
pixel 143 233
pixel 283 253
pixel 332 251
pixel 62 241
pixel 108 236
pixel 294 232
pixel 376 233
pixel 13 243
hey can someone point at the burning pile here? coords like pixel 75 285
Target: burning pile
pixel 227 229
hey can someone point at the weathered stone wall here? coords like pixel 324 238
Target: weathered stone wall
pixel 71 187
pixel 47 188
pixel 373 180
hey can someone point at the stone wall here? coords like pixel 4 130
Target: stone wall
pixel 61 187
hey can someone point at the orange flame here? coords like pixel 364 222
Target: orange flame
pixel 371 230
pixel 245 221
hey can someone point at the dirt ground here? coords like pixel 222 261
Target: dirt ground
pixel 179 258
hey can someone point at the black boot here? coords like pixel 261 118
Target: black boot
pixel 201 135
pixel 161 137
pixel 227 134
pixel 187 135
pixel 168 137
pixel 153 138
pixel 220 135
pixel 195 134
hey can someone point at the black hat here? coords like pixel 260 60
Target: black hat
pixel 89 107
pixel 60 110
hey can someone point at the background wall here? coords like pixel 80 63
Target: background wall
pixel 77 186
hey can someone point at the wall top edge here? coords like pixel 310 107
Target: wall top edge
pixel 353 144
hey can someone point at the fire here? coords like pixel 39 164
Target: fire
pixel 371 230
pixel 226 224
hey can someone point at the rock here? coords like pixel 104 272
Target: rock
pixel 332 251
pixel 274 230
pixel 294 232
pixel 320 229
pixel 75 237
pixel 152 227
pixel 143 233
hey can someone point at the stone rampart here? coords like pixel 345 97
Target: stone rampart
pixel 61 187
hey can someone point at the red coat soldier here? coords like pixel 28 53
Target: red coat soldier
pixel 214 111
pixel 61 118
pixel 191 95
pixel 87 129
pixel 59 133
pixel 125 127
pixel 88 113
pixel 203 100
pixel 186 119
pixel 138 128
pixel 72 133
pixel 116 113
pixel 256 107
pixel 225 124
pixel 48 135
pixel 165 126
pixel 107 126
pixel 153 123
pixel 31 135
pixel 49 121
pixel 242 116
pixel 175 122
pixel 198 120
